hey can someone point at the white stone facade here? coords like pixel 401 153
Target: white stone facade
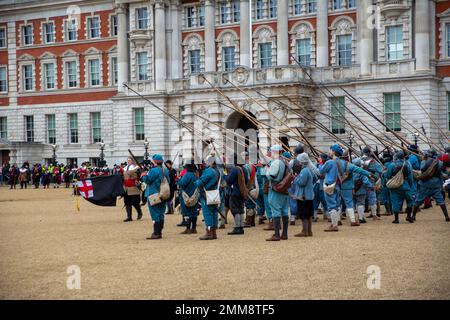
pixel 169 41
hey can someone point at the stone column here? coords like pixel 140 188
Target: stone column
pixel 210 39
pixel 245 46
pixel 366 37
pixel 422 33
pixel 122 45
pixel 322 34
pixel 282 33
pixel 176 56
pixel 160 46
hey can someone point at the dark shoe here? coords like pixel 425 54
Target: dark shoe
pixel 208 235
pixel 154 237
pixel 214 233
pixel 339 223
pixel 236 231
pixel 362 221
pixel 127 220
pixel 284 237
pixel 331 229
pixel 187 231
pixel 261 220
pixel 354 224
pixel 274 238
pixel 222 226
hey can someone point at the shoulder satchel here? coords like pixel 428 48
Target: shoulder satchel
pixel 427 174
pixel 286 182
pixel 397 180
pixel 213 196
pixel 163 194
pixel 192 200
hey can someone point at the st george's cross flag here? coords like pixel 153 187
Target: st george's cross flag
pixel 102 190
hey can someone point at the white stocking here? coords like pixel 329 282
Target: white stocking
pixel 361 212
pixel 351 214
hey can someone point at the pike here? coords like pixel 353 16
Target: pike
pixel 259 104
pixel 424 110
pixel 180 122
pixel 240 110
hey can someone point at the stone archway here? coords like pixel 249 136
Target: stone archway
pixel 244 137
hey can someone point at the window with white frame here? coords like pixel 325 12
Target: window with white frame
pixel 141 61
pixel 113 71
pixel 71 30
pixel 94 72
pixel 337 113
pixel 259 9
pixel 351 4
pixel 93 27
pixel 27 74
pixel 344 50
pixel 265 55
pixel 223 12
pixel 138 115
pixel 304 52
pixel 29 128
pixel 3 128
pixel 297 7
pixel 27 35
pixel 142 18
pixel 229 57
pixel 273 8
pixel 194 61
pixel 392 111
pixel 3 79
pixel 447 32
pixel 96 127
pixel 51 128
pixel 201 16
pixel 113 26
pixel 394 42
pixel 190 17
pixel 2 37
pixel 71 74
pixel 49 75
pixel 311 6
pixel 236 11
pixel 48 32
pixel 73 127
pixel 337 4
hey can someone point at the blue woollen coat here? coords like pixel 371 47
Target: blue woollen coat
pixel 208 181
pixel 279 202
pixel 153 180
pixel 399 195
pixel 187 184
pixel 304 185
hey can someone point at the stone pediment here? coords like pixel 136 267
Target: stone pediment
pixel 69 53
pixel 92 51
pixel 26 57
pixel 47 55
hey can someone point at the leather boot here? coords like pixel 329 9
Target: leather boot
pixel 193 223
pixel 305 227
pixel 310 220
pixel 183 223
pixel 236 231
pixel 269 226
pixel 252 220
pixel 260 220
pixel 128 209
pixel 276 228
pixel 139 211
pixel 284 235
pixel 445 212
pixel 415 209
pixel 396 221
pixel 248 221
pixel 332 228
pixel 156 231
pixel 208 235
pixel 214 233
pixel 188 227
pixel 409 218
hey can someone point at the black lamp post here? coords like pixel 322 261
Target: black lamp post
pixel 146 143
pixel 54 153
pixel 102 154
pixel 350 140
pixel 416 136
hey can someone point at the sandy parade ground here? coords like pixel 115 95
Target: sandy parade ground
pixel 42 237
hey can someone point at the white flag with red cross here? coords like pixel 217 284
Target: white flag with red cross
pixel 86 189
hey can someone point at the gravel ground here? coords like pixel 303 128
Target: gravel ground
pixel 41 235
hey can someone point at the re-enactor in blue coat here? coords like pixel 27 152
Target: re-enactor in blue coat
pixel 209 180
pixel 153 181
pixel 187 184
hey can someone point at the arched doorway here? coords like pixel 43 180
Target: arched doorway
pixel 241 136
